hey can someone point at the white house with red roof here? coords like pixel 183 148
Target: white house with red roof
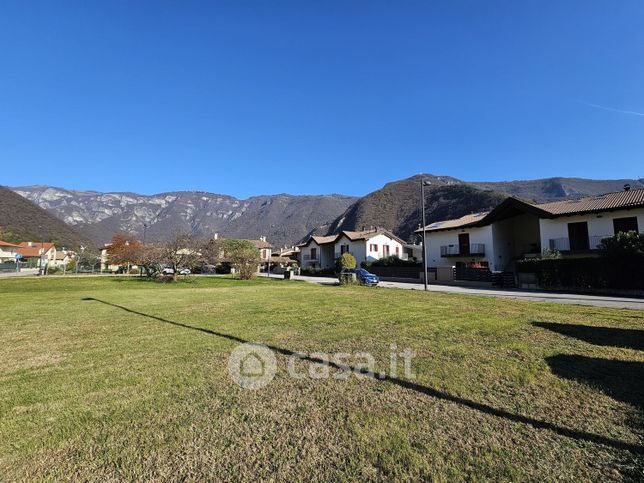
pixel 34 251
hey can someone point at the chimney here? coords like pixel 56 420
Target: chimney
pixel 262 238
pixel 30 244
pixel 215 236
pixel 627 187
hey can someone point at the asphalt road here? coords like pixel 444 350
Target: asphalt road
pixel 535 296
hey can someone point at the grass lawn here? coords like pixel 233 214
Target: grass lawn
pixel 120 386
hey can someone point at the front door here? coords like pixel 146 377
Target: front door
pixel 578 236
pixel 464 244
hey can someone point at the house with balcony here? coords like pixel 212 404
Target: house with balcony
pixel 365 245
pixel 318 252
pixel 517 229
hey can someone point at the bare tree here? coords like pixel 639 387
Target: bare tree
pixel 180 251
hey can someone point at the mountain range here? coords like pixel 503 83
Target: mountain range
pixel 22 220
pixel 286 219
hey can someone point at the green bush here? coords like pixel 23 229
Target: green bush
pixel 346 260
pixel 598 272
pixel 623 245
pixel 393 261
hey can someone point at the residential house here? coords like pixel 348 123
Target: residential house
pixel 105 259
pixel 8 252
pixel 318 252
pixel 33 251
pixel 516 229
pixel 369 245
pixel 63 257
pixel 264 247
pixel 365 245
pixel 285 256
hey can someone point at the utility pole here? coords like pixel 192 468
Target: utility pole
pixel 424 183
pixel 42 255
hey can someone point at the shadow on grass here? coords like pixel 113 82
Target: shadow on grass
pixel 622 380
pixel 428 391
pixel 603 336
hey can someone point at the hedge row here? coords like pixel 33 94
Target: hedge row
pixel 600 272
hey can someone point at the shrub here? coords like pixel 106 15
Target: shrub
pixel 598 272
pixel 346 260
pixel 393 261
pixel 243 256
pixel 623 245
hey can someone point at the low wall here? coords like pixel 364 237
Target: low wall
pixel 409 273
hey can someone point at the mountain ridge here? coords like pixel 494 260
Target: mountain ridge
pixel 23 220
pixel 286 219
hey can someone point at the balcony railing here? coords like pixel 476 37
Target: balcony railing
pixel 563 244
pixel 560 244
pixel 475 250
pixel 308 258
pixel 595 241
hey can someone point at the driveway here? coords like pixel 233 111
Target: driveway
pixel 536 296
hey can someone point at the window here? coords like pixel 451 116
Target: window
pixel 373 247
pixel 625 224
pixel 314 253
pixel 397 251
pixel 578 236
pixel 344 248
pixel 385 250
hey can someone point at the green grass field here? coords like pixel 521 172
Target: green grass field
pixel 105 378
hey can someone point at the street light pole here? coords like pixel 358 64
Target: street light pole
pixel 424 183
pixel 42 254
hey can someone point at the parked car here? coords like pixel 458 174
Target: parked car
pixel 170 271
pixel 363 276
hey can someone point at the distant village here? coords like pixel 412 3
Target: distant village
pixel 484 247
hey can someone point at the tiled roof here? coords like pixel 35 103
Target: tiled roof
pixel 7 244
pixel 456 223
pixel 367 234
pixel 609 201
pixel 261 243
pixel 34 250
pixel 322 240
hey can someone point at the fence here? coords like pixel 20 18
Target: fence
pixel 8 267
pixel 397 272
pixel 598 272
pixel 472 274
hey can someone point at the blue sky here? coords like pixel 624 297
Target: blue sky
pixel 248 98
